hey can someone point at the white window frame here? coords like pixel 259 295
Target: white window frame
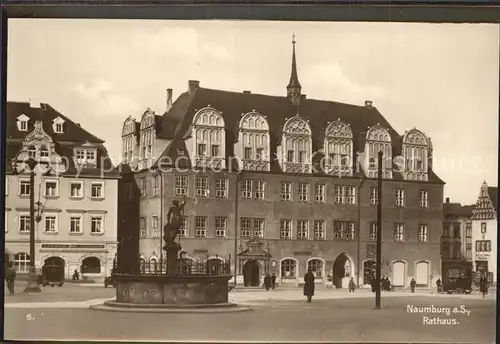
pixel 350 230
pixel 21 182
pixel 92 184
pixel 372 232
pixel 338 233
pixel 350 194
pixel 82 191
pixel 97 216
pixel 286 229
pixel 424 199
pixel 53 216
pixel 259 189
pixel 319 193
pixel 286 191
pixel 319 229
pixel 399 232
pixel 221 187
pixel 143 185
pixel 59 128
pixel 339 193
pixel 80 223
pixel 56 191
pixel 258 228
pixel 423 233
pixel 200 226
pixel 400 197
pixel 22 215
pixel 246 225
pixel 184 227
pixel 155 224
pixel 201 187
pixel 25 263
pixel 303 192
pixel 23 125
pixel 373 196
pixel 143 227
pixel 156 185
pixel 302 229
pixel 316 266
pixel 220 226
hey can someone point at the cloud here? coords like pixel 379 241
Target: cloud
pixel 180 42
pixel 327 81
pixel 104 100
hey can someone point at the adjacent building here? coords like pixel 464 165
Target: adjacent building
pixel 75 188
pixel 283 184
pixel 484 233
pixel 456 241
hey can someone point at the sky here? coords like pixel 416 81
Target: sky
pixel 440 78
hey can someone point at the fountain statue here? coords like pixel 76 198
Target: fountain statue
pixel 170 233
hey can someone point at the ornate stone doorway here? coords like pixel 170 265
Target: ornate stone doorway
pixel 251 274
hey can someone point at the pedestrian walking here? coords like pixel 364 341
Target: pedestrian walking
pixel 351 285
pixel 267 282
pixel 10 278
pixel 483 285
pixel 273 281
pixel 412 285
pixel 309 285
pixel 373 284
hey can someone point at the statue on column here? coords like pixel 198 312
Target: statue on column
pixel 170 232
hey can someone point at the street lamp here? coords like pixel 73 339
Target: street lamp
pixel 157 173
pixel 360 186
pixel 236 208
pixel 379 231
pixel 30 164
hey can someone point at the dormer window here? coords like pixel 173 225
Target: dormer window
pixel 22 122
pixel 58 125
pixel 85 156
pixel 44 152
pixel 32 152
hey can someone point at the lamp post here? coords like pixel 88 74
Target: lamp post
pixel 236 207
pixel 31 164
pixel 157 173
pixel 360 185
pixel 379 232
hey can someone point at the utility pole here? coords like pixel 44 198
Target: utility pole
pixel 379 232
pixel 236 201
pixel 360 185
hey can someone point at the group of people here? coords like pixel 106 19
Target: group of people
pixel 270 281
pixel 385 284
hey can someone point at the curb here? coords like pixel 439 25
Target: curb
pixel 166 309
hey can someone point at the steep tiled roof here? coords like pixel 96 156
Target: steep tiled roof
pixel 277 110
pixel 73 135
pixel 493 193
pixel 457 210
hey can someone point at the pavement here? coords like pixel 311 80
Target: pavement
pixel 334 315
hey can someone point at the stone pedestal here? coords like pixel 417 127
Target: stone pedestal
pixel 32 286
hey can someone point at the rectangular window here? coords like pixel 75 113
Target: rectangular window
pixel 424 202
pixel 302 229
pixel 285 229
pixel 23 125
pixel 248 153
pixel 181 185
pixel 423 233
pixel 156 185
pixel 155 233
pixel 303 192
pixel 183 230
pixel 483 246
pixel 468 229
pixel 96 226
pixel 258 228
pixel 201 185
pixel 201 226
pixel 319 230
pixel 143 228
pixel 75 224
pixel 399 232
pixel 50 188
pixel 260 154
pixel 483 227
pixel 374 196
pixel 76 189
pixel 372 235
pixel 215 150
pixel 339 194
pixel 258 189
pixel 80 156
pixel 319 194
pixel 221 188
pixel 246 227
pixel 338 230
pixel 456 230
pixel 91 156
pixel 468 252
pixel 220 227
pixel 202 149
pixel 350 192
pixel 302 156
pixel 97 189
pixel 350 231
pixel 289 156
pixel 24 188
pixel 400 197
pixel 143 186
pixel 246 189
pixel 286 191
pixel 50 224
pixel 24 223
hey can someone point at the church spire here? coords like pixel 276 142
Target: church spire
pixel 294 88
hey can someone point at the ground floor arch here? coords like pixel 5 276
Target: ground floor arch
pixel 342 270
pixel 398 273
pixel 91 265
pixel 422 273
pixel 251 273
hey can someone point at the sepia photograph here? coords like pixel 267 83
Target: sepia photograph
pixel 211 180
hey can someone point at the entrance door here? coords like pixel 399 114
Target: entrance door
pixel 398 274
pixel 341 270
pixel 422 274
pixel 251 275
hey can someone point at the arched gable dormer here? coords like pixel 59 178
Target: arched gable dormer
pixel 416 147
pixel 338 147
pixel 129 141
pixel 296 146
pixel 254 145
pixel 147 137
pixel 209 135
pixel 378 139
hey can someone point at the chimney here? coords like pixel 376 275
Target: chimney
pixel 368 103
pixel 192 86
pixel 34 104
pixel 447 200
pixel 247 92
pixel 169 99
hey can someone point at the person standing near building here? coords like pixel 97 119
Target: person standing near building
pixel 309 285
pixel 10 278
pixel 273 281
pixel 267 282
pixel 352 285
pixel 413 285
pixel 483 285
